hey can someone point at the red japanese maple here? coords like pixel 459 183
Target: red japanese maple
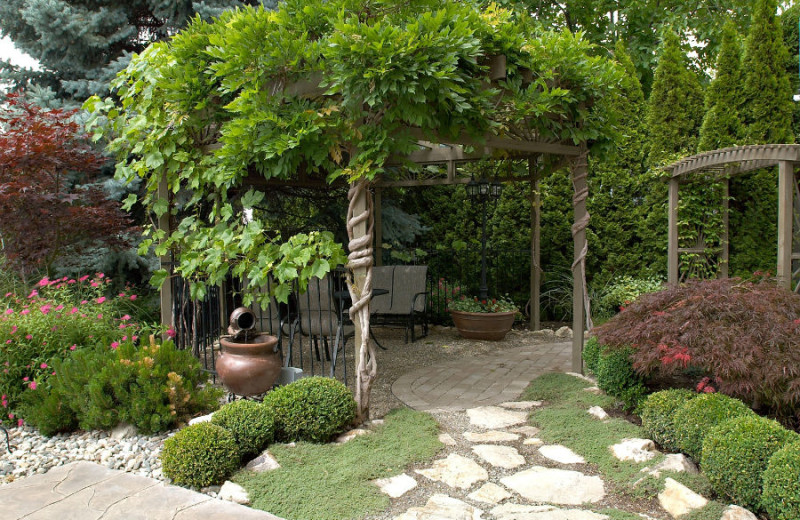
pixel 49 206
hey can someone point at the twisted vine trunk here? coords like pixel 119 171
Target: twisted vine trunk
pixel 580 171
pixel 360 224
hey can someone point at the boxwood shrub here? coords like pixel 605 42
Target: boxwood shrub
pixel 252 425
pixel 736 453
pixel 695 419
pixel 591 354
pixel 312 409
pixel 781 481
pixel 658 414
pixel 200 455
pixel 616 377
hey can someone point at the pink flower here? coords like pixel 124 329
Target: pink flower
pixel 44 281
pixel 171 333
pixel 52 373
pixel 94 284
pixel 25 378
pixel 28 337
pixel 133 297
pixel 8 342
pixel 125 318
pixel 122 295
pixel 124 338
pixel 13 329
pixel 9 311
pixel 73 347
pixel 114 345
pixel 101 299
pixel 25 311
pixel 83 278
pixel 100 275
pixel 11 416
pixel 20 422
pixel 84 302
pixel 122 326
pixel 45 308
pixel 73 310
pixel 43 365
pixel 33 385
pixel 9 294
pixel 99 316
pixel 59 307
pixel 83 315
pixel 135 338
pixel 72 281
pixel 33 294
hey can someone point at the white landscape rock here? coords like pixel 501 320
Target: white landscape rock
pixel 593 390
pixel 543 333
pixel 123 431
pixel 557 486
pixel 352 434
pixel 490 493
pixel 564 332
pixel 447 439
pixel 234 493
pixel 499 456
pixel 262 463
pixel 201 419
pixel 678 499
pixel 396 486
pixel 525 512
pixel 494 417
pixel 598 412
pixel 677 462
pixel 521 405
pixel 561 454
pixel 635 450
pixel 533 441
pixel 737 513
pixel 456 471
pixel 527 431
pixel 441 507
pixel 491 436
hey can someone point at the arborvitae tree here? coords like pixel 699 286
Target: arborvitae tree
pixel 791 39
pixel 82 44
pixel 617 186
pixel 675 107
pixel 722 124
pixel 767 115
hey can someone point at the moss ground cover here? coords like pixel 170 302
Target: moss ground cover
pixel 330 481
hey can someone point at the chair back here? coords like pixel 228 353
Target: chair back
pixel 382 278
pixel 318 314
pixel 409 280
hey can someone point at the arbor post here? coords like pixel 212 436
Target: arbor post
pixel 580 300
pixel 536 233
pixel 672 233
pixel 725 239
pixel 785 215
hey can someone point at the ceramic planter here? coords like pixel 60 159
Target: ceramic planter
pixel 492 326
pixel 249 368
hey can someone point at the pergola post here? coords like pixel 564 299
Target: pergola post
pixel 785 215
pixel 536 233
pixel 724 255
pixel 672 236
pixel 165 261
pixel 378 226
pixel 580 186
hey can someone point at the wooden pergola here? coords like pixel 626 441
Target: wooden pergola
pixel 724 164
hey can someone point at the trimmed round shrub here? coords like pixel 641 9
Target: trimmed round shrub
pixel 312 409
pixel 591 354
pixel 658 412
pixel 200 455
pixel 695 419
pixel 616 377
pixel 781 481
pixel 736 453
pixel 252 425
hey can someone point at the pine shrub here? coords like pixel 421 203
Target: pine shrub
pixel 740 333
pixel 252 425
pixel 616 377
pixel 312 409
pixel 200 455
pixel 658 414
pixel 695 419
pixel 736 453
pixel 781 484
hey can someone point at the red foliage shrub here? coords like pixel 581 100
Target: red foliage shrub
pixel 743 336
pixel 48 199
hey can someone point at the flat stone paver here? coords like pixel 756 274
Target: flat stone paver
pixel 493 417
pixel 561 454
pixel 440 507
pixel 87 491
pixel 456 471
pixel 521 512
pixel 490 493
pixel 499 456
pixel 491 436
pixel 556 486
pixel 488 379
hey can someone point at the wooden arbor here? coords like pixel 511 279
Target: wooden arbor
pixel 726 163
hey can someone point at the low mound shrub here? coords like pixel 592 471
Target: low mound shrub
pixel 312 409
pixel 252 425
pixel 740 333
pixel 200 455
pixel 658 414
pixel 695 419
pixel 616 377
pixel 781 484
pixel 591 354
pixel 736 453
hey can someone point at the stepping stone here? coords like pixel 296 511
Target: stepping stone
pixel 558 486
pixel 447 439
pixel 598 412
pixel 499 456
pixel 456 471
pixel 561 454
pixel 521 405
pixel 737 513
pixel 491 436
pixel 678 499
pixel 527 431
pixel 489 493
pixel 440 507
pixel 349 436
pixel 533 442
pixel 494 417
pixel 677 462
pixel 635 450
pixel 262 463
pixel 519 512
pixel 201 419
pixel 396 486
pixel 234 493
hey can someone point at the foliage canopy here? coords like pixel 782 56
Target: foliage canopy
pixel 388 71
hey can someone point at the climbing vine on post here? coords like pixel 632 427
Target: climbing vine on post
pixel 333 90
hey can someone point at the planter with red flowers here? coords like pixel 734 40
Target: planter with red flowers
pixel 488 319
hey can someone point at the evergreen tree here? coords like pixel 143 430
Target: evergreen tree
pixel 767 116
pixel 82 44
pixel 722 125
pixel 616 189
